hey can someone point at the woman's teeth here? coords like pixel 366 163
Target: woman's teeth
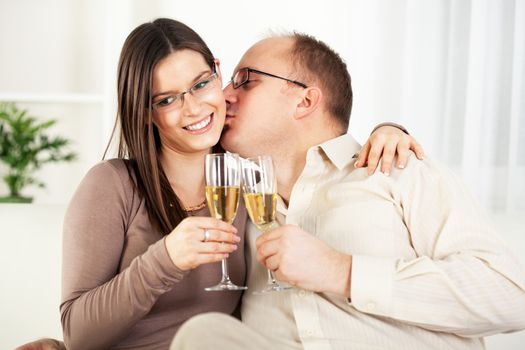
pixel 199 125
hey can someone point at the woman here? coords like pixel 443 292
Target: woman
pixel 135 255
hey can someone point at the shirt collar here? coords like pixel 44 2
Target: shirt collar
pixel 341 150
pixel 281 206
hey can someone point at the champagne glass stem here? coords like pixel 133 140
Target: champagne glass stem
pixel 271 279
pixel 225 272
pixel 272 285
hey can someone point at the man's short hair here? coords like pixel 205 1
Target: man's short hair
pixel 324 66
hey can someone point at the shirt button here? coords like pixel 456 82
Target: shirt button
pixel 371 306
pixel 302 293
pixel 309 332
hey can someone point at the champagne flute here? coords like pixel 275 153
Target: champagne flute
pixel 223 180
pixel 260 197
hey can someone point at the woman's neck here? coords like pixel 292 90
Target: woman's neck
pixel 185 173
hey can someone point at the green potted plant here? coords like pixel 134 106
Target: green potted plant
pixel 25 147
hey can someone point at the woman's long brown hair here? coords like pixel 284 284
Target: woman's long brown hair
pixel 139 140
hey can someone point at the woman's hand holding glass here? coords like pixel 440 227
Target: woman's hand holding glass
pixel 201 240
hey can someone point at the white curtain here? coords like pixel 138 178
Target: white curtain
pixel 453 72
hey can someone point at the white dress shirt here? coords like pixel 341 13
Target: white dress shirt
pixel 428 270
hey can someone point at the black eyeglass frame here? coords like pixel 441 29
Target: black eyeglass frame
pixel 251 70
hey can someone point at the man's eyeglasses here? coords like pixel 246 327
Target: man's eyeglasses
pixel 243 76
pixel 199 90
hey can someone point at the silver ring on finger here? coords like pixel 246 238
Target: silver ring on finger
pixel 206 236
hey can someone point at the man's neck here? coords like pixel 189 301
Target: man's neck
pixel 288 171
pixel 290 165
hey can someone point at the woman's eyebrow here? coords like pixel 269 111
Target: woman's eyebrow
pixel 196 79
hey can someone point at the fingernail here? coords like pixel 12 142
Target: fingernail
pixel 237 239
pixel 387 173
pixel 356 164
pixel 235 247
pixel 401 166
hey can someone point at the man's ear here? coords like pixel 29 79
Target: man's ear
pixel 311 99
pixel 218 69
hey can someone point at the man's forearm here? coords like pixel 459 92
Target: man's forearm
pixel 341 275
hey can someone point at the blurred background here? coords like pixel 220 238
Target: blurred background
pixel 451 71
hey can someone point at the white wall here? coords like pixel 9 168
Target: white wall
pixel 30 266
pixel 59 59
pixel 52 61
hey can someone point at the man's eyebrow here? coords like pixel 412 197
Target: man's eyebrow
pixel 196 79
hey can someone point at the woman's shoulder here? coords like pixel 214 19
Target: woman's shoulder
pixel 112 170
pixel 108 183
pixel 110 178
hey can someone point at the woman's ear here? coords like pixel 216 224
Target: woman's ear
pixel 311 98
pixel 218 68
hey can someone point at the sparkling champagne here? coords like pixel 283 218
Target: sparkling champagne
pixel 261 208
pixel 223 202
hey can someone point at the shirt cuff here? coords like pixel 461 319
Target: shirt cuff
pixel 371 286
pixel 400 127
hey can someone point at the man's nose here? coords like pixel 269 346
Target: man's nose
pixel 230 94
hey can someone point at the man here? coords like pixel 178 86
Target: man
pixel 405 261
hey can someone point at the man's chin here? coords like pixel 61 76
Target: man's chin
pixel 225 139
pixel 230 144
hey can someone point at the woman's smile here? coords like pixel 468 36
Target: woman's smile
pixel 201 126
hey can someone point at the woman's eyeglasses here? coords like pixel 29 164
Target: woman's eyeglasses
pixel 199 91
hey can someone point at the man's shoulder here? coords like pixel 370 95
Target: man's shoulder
pixel 429 171
pixel 427 165
pixel 414 167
